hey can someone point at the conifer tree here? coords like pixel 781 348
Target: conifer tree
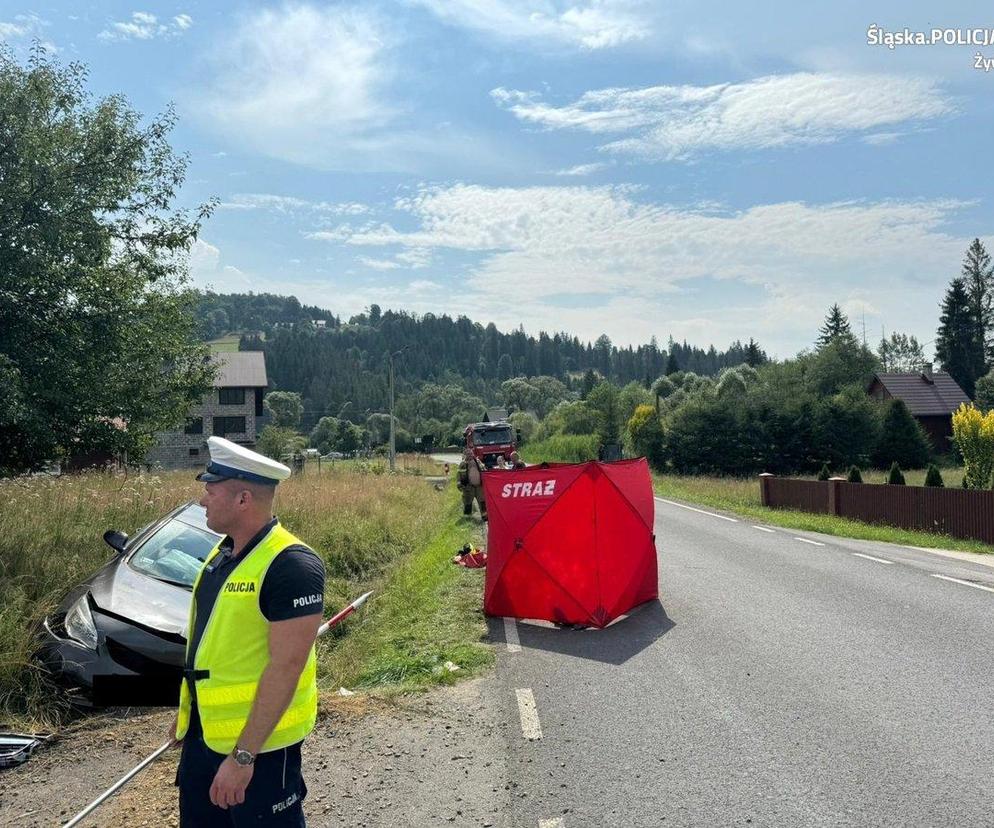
pixel 902 439
pixel 933 477
pixel 895 478
pixel 835 329
pixel 978 277
pixel 854 475
pixel 825 472
pixel 955 343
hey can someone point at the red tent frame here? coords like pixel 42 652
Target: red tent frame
pixel 571 543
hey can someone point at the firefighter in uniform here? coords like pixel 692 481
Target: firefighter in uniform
pixel 469 479
pixel 249 695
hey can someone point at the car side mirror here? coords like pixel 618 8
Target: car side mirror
pixel 116 540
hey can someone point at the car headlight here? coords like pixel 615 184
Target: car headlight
pixel 79 623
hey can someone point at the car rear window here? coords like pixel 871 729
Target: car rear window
pixel 175 552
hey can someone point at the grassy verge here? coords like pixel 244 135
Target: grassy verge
pixel 391 533
pixel 742 497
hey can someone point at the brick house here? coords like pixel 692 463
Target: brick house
pixel 233 409
pixel 931 397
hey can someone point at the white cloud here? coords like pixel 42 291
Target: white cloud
pixel 581 169
pixel 377 264
pixel 793 259
pixel 207 271
pixel 676 122
pixel 297 81
pixel 25 28
pixel 424 285
pixel 328 87
pixel 586 24
pixel 145 26
pixel 291 204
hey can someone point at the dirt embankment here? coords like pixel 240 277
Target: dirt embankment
pixel 431 759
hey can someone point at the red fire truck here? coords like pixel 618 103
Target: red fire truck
pixel 490 441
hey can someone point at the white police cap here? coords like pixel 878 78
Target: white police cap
pixel 230 461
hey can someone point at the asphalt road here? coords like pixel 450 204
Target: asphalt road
pixel 777 683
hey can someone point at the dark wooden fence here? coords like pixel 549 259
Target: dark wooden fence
pixel 960 513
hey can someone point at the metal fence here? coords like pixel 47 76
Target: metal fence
pixel 960 513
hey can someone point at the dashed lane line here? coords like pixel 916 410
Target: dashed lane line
pixel 806 540
pixel 556 822
pixel 511 635
pixel 871 558
pixel 764 529
pixel 530 727
pixel 965 583
pixel 700 511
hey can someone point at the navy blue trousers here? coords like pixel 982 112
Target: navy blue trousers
pixel 275 796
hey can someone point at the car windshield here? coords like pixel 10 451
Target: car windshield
pixel 175 552
pixel 492 436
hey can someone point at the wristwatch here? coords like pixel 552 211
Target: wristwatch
pixel 242 757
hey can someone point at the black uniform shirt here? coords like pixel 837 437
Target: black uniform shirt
pixel 293 587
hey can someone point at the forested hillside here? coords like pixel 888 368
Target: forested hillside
pixel 338 363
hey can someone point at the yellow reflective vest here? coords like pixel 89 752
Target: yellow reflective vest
pixel 233 652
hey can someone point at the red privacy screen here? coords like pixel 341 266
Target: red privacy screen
pixel 570 542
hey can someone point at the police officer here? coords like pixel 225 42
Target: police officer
pixel 249 695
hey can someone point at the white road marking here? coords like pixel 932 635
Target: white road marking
pixel 813 543
pixel 511 635
pixel 701 511
pixel 763 529
pixel 871 558
pixel 530 728
pixel 557 822
pixel 965 583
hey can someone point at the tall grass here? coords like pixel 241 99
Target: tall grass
pixel 562 448
pixel 366 527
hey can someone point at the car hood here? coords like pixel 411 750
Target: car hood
pixel 120 590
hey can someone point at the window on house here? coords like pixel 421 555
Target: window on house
pixel 231 396
pixel 228 425
pixel 194 425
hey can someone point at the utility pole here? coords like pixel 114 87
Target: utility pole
pixel 393 440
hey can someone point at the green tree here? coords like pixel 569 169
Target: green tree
pixel 978 277
pixel 825 472
pixel 278 442
pixel 97 335
pixel 754 355
pixel 835 329
pixel 603 400
pixel 902 439
pixel 631 397
pixel 933 477
pixel 955 343
pixel 644 435
pixel 895 477
pixel 588 383
pixel 525 424
pixel 854 475
pixel 325 434
pixel 504 367
pixel 661 389
pixel 984 390
pixel 285 408
pixel 900 353
pixel 672 366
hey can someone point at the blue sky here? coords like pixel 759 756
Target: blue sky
pixel 706 170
